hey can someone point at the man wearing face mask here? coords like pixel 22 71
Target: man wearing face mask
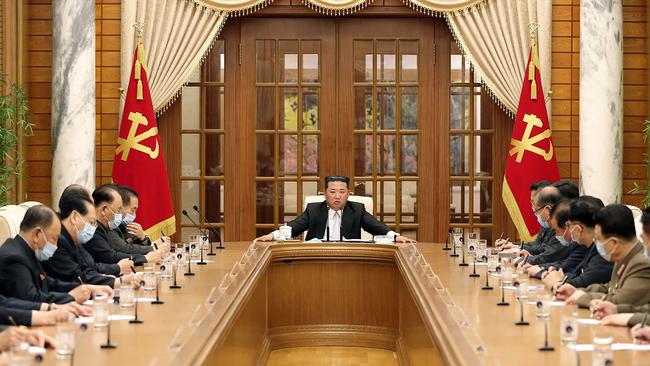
pixel 593 268
pixel 616 241
pixel 551 249
pixel 627 314
pixel 129 236
pixel 108 204
pixel 78 223
pixel 576 252
pixel 21 275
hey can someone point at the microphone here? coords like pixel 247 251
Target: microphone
pixel 327 233
pixel 215 231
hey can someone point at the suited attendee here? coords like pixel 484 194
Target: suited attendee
pixel 21 274
pixel 29 313
pixel 575 251
pixel 11 337
pixel 628 314
pixel 616 242
pixel 108 204
pixel 593 268
pixel 550 249
pixel 568 189
pixel 336 216
pixel 124 266
pixel 129 237
pixel 544 234
pixel 78 224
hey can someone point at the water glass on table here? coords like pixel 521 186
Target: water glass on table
pixel 66 336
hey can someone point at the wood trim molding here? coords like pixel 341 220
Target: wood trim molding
pixel 401 351
pixel 375 252
pixel 265 351
pixel 442 328
pixel 333 335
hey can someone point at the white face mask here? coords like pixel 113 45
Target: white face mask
pixel 47 252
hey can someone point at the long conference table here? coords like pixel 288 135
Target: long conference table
pixel 253 298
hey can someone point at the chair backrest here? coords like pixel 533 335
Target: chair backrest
pixel 365 200
pixel 10 218
pixel 637 213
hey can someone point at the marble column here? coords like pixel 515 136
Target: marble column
pixel 601 99
pixel 73 95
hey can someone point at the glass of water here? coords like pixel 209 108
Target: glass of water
pixel 66 336
pixel 506 273
pixel 100 310
pixel 569 324
pixel 149 277
pixel 166 266
pixel 522 289
pixel 20 355
pixel 543 305
pixel 602 339
pixel 126 291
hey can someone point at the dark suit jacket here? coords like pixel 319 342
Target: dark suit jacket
pixel 19 310
pixel 592 269
pixel 119 240
pixel 102 251
pixel 22 277
pixel 577 253
pixel 355 217
pixel 67 264
pixel 544 236
pixel 552 251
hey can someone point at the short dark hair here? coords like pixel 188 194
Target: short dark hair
pixel 567 188
pixel 561 212
pixel 583 209
pixel 73 189
pixel 539 185
pixel 616 220
pixel 103 194
pixel 127 193
pixel 550 196
pixel 645 220
pixel 39 215
pixel 337 178
pixel 74 201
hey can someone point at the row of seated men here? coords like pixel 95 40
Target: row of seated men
pixel 58 261
pixel 589 254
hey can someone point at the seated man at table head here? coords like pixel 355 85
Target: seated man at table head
pixel 336 216
pixel 21 274
pixel 616 241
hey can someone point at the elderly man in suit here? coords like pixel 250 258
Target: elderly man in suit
pixel 616 242
pixel 336 218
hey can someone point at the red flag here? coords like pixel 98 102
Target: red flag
pixel 531 156
pixel 139 161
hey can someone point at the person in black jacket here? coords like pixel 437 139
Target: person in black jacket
pixel 30 313
pixel 337 217
pixel 78 223
pixel 575 252
pixel 21 274
pixel 593 268
pixel 108 205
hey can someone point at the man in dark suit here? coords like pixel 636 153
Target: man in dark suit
pixel 336 218
pixel 21 274
pixel 78 224
pixel 108 204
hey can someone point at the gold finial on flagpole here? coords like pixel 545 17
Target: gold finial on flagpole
pixel 534 59
pixel 140 61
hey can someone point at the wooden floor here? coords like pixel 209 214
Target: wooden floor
pixel 332 356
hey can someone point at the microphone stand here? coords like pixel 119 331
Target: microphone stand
pixel 189 263
pixel 462 249
pixel 487 279
pixel 503 296
pixel 446 247
pixel 202 262
pixel 174 270
pixel 136 320
pixel 157 301
pixel 108 343
pixel 546 346
pixel 474 274
pixel 215 231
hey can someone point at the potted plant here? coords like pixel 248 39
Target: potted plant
pixel 14 122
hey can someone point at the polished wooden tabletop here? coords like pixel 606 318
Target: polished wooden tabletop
pixel 503 342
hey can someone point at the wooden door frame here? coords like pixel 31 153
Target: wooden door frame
pixel 240 137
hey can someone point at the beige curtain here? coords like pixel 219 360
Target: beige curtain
pixel 495 38
pixel 177 36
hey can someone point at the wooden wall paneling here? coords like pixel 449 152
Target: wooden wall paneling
pixel 169 129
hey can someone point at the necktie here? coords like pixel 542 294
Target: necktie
pixel 335 226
